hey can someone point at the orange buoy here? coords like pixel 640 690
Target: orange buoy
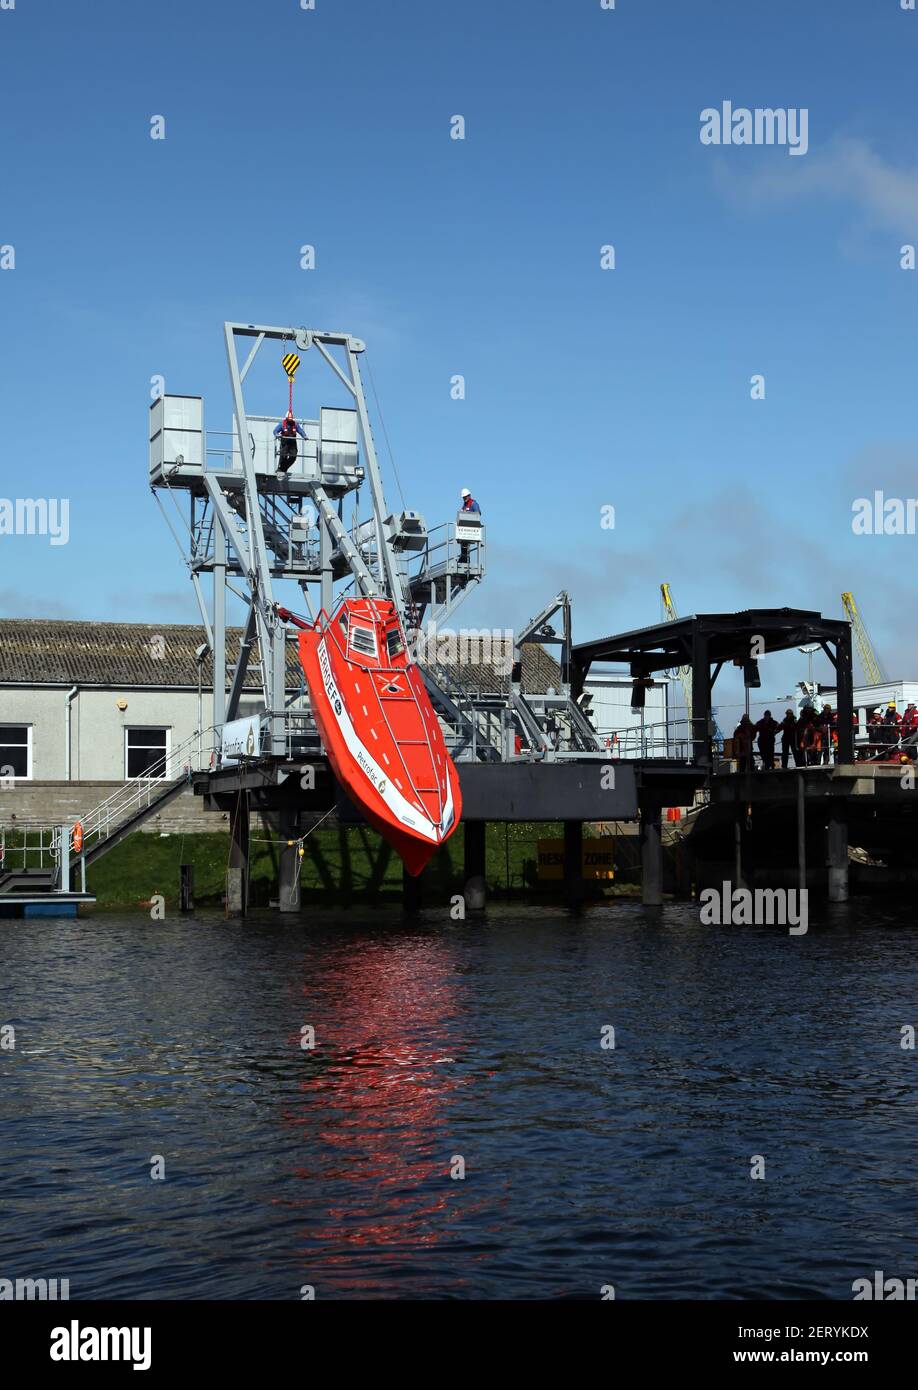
pixel 76 838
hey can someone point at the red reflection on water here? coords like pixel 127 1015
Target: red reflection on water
pixel 376 1097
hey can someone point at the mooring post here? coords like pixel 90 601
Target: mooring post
pixel 573 864
pixel 801 830
pixel 837 847
pixel 411 893
pixel 741 847
pixel 474 865
pixel 186 888
pixel 288 862
pixel 237 873
pixel 651 837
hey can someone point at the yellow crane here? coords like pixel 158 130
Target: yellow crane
pixel 873 671
pixel 683 672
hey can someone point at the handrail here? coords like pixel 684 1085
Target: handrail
pixel 137 790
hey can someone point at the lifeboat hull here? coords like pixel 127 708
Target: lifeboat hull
pixel 379 728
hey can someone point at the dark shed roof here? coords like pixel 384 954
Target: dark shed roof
pixel 41 651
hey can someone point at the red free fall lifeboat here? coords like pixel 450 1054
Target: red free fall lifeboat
pixel 378 726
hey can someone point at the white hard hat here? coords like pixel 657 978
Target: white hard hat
pixel 465 492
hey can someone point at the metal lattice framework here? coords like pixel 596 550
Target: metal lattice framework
pixel 251 523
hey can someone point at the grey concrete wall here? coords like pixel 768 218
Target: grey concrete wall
pixel 59 803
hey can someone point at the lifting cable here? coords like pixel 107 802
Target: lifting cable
pixel 385 431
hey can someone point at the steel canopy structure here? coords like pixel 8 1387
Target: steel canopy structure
pixel 707 642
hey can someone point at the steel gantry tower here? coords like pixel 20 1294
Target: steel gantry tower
pixel 252 523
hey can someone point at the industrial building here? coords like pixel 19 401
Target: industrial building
pixel 88 702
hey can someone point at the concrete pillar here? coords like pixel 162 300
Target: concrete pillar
pixel 289 862
pixel 651 837
pixel 237 873
pixel 837 852
pixel 474 879
pixel 573 863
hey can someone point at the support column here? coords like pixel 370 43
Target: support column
pixel 411 893
pixel 651 837
pixel 237 874
pixel 801 830
pixel 844 697
pixel 219 651
pixel 701 702
pixel 573 864
pixel 741 848
pixel 326 591
pixel 837 852
pixel 475 881
pixel 288 862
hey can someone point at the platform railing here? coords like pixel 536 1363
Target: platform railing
pixel 30 845
pixel 676 739
pixel 443 553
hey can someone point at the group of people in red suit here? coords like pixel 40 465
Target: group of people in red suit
pixel 811 737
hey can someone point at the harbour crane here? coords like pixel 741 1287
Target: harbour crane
pixel 873 671
pixel 683 672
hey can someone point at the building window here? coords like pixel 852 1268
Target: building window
pixel 145 752
pixel 16 750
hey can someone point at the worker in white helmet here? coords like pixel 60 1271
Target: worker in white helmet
pixel 468 505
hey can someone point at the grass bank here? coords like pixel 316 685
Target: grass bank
pixel 340 865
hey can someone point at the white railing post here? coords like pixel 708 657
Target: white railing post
pixel 64 861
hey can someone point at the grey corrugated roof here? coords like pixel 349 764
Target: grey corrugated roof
pixel 40 651
pixel 43 651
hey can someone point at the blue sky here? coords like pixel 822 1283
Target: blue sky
pixel 584 388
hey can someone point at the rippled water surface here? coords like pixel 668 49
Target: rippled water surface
pixel 584 1165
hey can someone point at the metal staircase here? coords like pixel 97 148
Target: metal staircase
pixel 40 859
pixel 107 824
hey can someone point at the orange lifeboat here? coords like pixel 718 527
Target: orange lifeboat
pixel 378 726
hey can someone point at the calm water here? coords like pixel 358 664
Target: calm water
pixel 584 1166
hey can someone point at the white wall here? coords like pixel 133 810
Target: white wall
pixel 611 709
pixel 98 726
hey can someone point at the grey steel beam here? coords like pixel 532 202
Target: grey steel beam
pixel 251 357
pixel 260 574
pixel 540 791
pixel 230 527
pixel 242 663
pixel 365 581
pixel 219 642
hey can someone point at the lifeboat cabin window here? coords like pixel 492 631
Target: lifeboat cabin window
pixel 342 619
pixel 394 643
pixel 363 640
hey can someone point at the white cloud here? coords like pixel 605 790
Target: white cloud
pixel 848 170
